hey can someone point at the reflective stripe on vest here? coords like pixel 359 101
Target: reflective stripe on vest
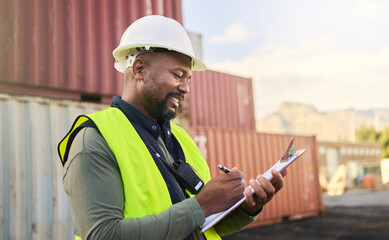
pixel 132 155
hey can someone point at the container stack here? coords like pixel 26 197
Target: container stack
pixel 56 63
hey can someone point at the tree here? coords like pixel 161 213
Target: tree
pixel 370 134
pixel 367 134
pixel 384 141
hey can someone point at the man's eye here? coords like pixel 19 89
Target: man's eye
pixel 177 75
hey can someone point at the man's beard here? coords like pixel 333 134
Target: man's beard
pixel 158 109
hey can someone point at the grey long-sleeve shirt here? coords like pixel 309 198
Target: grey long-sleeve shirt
pixel 93 183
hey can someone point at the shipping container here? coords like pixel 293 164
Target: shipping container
pixel 253 153
pixel 63 49
pixel 221 100
pixel 33 203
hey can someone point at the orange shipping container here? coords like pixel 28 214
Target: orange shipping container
pixel 254 153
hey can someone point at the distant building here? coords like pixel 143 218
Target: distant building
pixel 360 161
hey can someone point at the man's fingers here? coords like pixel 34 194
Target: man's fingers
pixel 277 180
pixel 267 186
pixel 237 173
pixel 249 197
pixel 264 190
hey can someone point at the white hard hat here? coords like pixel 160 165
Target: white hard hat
pixel 150 32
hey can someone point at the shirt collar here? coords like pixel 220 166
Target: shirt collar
pixel 137 118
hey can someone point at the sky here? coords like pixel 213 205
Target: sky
pixel 331 54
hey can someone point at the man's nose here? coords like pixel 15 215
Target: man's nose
pixel 184 86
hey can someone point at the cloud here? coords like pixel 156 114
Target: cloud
pixel 314 71
pixel 234 33
pixel 370 10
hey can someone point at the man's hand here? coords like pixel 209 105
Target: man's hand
pixel 263 192
pixel 221 192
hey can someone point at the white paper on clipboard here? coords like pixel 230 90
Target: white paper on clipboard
pixel 279 166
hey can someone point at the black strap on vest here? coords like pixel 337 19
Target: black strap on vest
pixel 88 123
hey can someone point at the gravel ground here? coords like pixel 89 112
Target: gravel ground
pixel 350 216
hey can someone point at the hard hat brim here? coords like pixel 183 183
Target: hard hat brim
pixel 120 54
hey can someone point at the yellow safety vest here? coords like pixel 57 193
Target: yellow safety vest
pixel 140 175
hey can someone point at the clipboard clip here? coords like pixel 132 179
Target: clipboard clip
pixel 290 151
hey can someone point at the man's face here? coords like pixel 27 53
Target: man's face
pixel 165 83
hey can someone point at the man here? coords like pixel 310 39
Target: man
pixel 130 173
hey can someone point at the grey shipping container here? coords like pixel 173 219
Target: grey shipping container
pixel 33 204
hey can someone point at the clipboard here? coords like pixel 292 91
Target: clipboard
pixel 288 158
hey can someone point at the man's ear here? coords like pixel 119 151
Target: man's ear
pixel 138 69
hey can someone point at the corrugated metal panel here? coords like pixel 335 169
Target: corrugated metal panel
pixel 221 100
pixel 254 153
pixel 33 204
pixel 67 45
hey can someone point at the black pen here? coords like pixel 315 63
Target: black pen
pixel 226 170
pixel 223 168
